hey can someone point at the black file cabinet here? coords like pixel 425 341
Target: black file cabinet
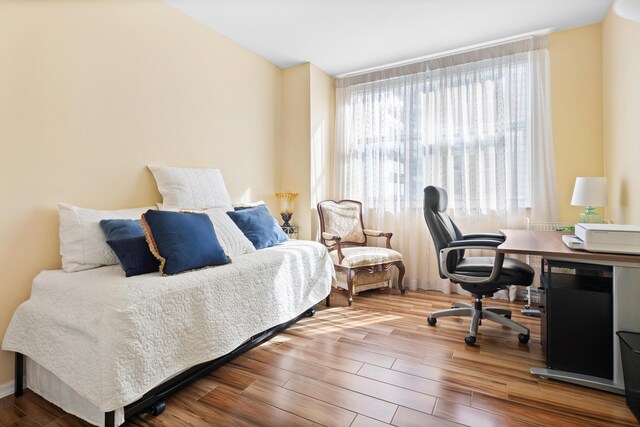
pixel 577 317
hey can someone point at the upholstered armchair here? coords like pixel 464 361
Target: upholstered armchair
pixel 358 267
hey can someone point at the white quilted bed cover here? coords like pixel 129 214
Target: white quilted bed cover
pixel 112 338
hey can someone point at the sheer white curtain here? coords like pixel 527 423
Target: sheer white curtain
pixel 477 124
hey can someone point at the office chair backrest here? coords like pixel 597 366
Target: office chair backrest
pixel 342 218
pixel 442 229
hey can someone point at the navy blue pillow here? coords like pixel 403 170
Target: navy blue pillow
pixel 134 255
pixel 241 208
pixel 259 226
pixel 115 229
pixel 182 241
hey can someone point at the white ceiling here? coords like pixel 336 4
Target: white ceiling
pixel 345 36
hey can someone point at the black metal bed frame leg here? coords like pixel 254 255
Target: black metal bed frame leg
pixel 19 384
pixel 110 419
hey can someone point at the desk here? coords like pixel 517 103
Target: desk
pixel 626 294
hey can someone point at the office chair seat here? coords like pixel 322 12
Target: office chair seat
pixel 513 272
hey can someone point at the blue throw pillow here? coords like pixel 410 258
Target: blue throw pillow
pixel 259 226
pixel 134 255
pixel 182 241
pixel 115 229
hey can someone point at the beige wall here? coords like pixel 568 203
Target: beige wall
pixel 92 92
pixel 576 104
pixel 308 105
pixel 323 106
pixel 621 85
pixel 294 152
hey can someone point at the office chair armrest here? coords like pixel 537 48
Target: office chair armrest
pixel 377 233
pixel 481 236
pixel 472 244
pixel 482 243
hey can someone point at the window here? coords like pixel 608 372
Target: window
pixel 465 127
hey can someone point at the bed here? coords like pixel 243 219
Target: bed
pixel 96 341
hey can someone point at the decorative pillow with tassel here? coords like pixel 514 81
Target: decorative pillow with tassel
pixel 182 241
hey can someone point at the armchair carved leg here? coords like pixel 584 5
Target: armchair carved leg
pixel 350 275
pixel 400 266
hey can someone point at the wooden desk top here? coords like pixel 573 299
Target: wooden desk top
pixel 549 244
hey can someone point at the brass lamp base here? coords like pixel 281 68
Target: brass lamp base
pixel 286 217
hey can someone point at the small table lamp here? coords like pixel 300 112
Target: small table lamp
pixel 286 207
pixel 590 191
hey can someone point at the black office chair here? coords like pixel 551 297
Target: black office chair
pixel 481 276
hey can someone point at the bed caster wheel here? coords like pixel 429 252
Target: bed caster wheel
pixel 523 338
pixel 432 321
pixel 158 408
pixel 469 340
pixel 310 312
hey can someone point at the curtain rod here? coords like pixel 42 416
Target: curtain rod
pixel 445 53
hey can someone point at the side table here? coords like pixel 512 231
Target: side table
pixel 291 232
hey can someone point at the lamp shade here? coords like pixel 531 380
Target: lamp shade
pixel 286 202
pixel 590 191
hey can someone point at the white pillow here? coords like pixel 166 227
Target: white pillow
pixel 231 238
pixel 82 242
pixel 191 188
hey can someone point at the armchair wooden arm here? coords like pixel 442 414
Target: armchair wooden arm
pixel 329 236
pixel 377 233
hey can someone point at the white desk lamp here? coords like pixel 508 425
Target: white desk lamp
pixel 590 191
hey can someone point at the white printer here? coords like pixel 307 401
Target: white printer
pixel 610 238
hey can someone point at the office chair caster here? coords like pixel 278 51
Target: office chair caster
pixel 523 338
pixel 432 321
pixel 469 340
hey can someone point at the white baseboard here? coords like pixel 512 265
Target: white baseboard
pixel 6 389
pixel 9 388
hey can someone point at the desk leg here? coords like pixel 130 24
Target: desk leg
pixel 579 379
pixel 626 316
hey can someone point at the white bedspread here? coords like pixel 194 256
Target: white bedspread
pixel 112 338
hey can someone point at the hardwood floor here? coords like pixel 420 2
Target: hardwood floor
pixel 376 363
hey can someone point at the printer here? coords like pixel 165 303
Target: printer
pixel 609 238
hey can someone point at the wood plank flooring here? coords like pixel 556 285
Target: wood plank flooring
pixel 376 363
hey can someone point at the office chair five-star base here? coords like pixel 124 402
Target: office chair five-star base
pixel 477 313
